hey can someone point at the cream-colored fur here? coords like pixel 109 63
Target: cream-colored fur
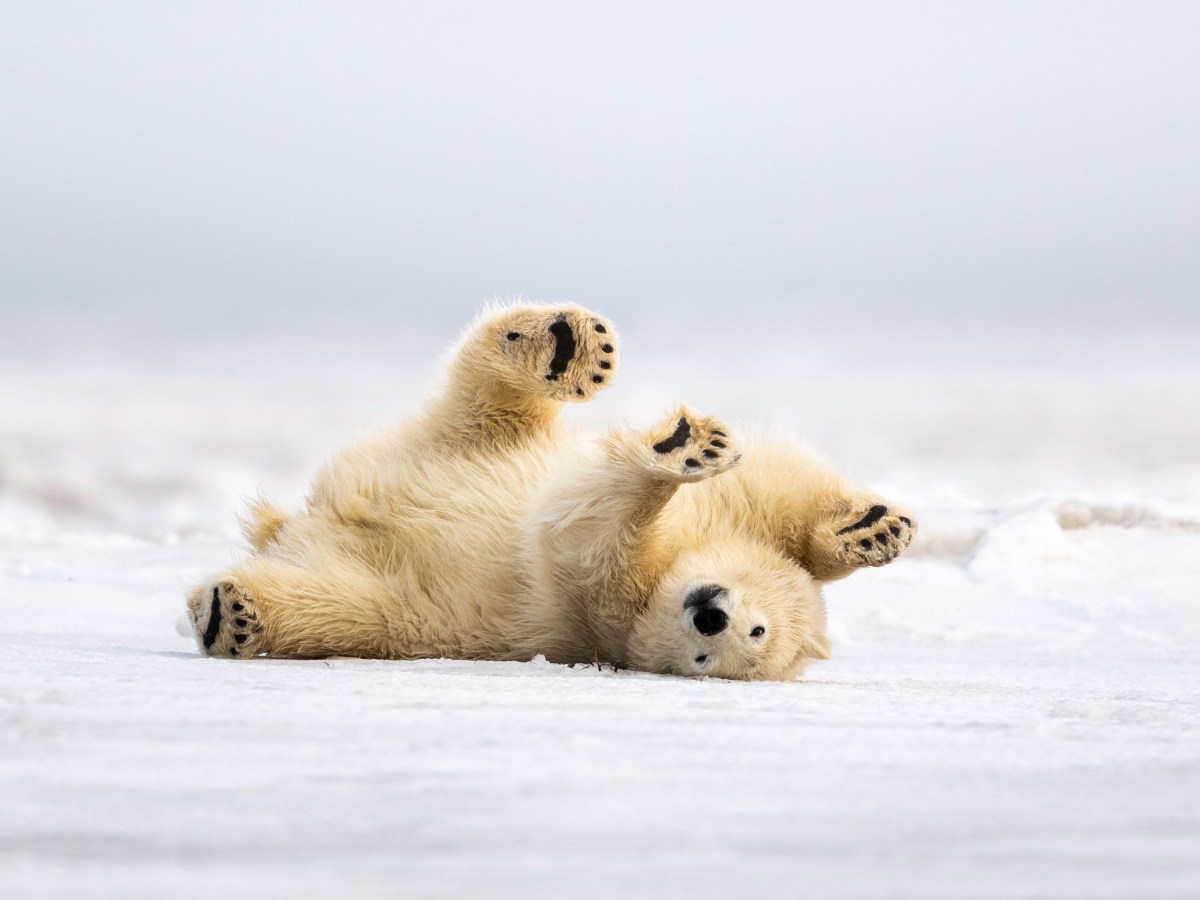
pixel 482 530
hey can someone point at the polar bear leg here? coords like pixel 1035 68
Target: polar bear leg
pixel 515 368
pixel 279 609
pixel 606 513
pixel 857 530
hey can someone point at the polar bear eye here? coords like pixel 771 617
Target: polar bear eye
pixel 758 631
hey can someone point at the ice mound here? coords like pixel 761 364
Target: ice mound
pixel 1086 512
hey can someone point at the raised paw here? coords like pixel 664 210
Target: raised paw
pixel 225 620
pixel 564 353
pixel 873 537
pixel 688 447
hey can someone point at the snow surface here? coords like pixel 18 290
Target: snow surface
pixel 1011 710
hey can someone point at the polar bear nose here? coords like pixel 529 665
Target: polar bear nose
pixel 708 618
pixel 703 596
pixel 710 621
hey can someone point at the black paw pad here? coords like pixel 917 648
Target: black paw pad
pixel 564 348
pixel 873 515
pixel 214 621
pixel 683 433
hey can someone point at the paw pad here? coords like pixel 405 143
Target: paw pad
pixel 690 452
pixel 557 353
pixel 226 621
pixel 875 538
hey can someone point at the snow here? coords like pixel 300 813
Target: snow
pixel 1011 710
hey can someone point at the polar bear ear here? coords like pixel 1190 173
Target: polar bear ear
pixel 816 647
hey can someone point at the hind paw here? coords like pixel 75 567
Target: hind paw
pixel 688 447
pixel 225 620
pixel 566 354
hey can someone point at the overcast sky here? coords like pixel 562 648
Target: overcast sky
pixel 199 162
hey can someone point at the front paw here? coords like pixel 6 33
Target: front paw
pixel 688 447
pixel 873 536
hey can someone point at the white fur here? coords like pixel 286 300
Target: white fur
pixel 481 530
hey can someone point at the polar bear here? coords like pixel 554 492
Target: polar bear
pixel 481 529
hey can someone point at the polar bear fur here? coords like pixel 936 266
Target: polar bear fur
pixel 482 529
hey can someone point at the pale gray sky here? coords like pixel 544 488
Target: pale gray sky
pixel 200 164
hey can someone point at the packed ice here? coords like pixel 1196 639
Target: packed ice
pixel 1013 709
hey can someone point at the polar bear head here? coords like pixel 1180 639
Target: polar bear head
pixel 732 609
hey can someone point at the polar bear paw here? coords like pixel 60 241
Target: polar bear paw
pixel 566 354
pixel 688 447
pixel 873 537
pixel 225 620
